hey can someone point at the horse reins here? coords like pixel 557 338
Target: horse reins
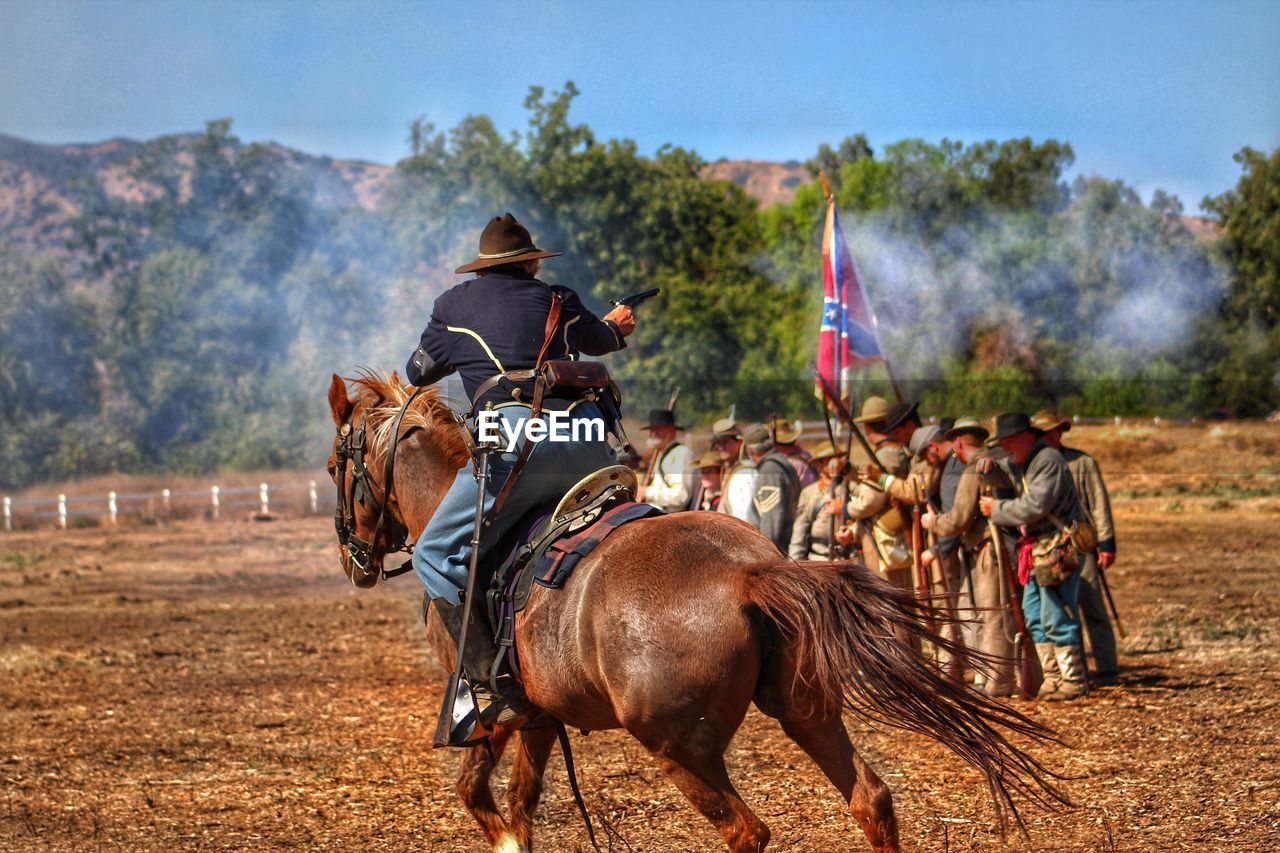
pixel 351 448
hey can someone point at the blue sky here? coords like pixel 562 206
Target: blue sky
pixel 1159 94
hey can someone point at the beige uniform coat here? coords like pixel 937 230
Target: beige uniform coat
pixel 991 597
pixel 811 532
pixel 882 528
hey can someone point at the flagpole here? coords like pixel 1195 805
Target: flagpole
pixel 893 380
pixel 836 396
pixel 845 416
pixel 838 367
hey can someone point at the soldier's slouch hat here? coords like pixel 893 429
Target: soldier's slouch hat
pixel 662 417
pixel 505 241
pixel 970 424
pixel 1012 423
pixel 878 414
pixel 1048 419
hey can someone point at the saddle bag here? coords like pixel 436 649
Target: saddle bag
pixel 566 375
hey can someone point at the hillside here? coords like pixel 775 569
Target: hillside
pixel 767 182
pixel 43 187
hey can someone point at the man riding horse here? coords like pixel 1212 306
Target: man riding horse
pixel 495 330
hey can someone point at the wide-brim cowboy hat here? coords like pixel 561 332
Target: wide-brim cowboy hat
pixel 662 417
pixel 725 428
pixel 1012 423
pixel 1048 419
pixel 826 450
pixel 877 413
pixel 873 409
pixel 505 241
pixel 710 459
pixel 967 424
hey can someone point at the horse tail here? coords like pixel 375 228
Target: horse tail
pixel 846 635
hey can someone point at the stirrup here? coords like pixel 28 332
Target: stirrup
pixel 462 727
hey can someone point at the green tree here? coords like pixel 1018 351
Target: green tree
pixel 1250 217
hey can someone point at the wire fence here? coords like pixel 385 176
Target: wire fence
pixel 213 503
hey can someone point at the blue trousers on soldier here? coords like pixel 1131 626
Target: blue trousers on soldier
pixel 442 554
pixel 1051 612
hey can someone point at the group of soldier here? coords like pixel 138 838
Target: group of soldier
pixel 999 524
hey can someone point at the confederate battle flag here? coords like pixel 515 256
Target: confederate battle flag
pixel 847 337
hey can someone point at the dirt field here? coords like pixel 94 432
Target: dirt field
pixel 212 685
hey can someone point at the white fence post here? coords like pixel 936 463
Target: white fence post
pixel 165 495
pixel 214 501
pixel 62 511
pixel 314 508
pixel 111 506
pixel 8 513
pixel 263 499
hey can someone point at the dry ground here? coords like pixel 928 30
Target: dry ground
pixel 204 685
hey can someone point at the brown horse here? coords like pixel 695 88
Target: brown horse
pixel 674 625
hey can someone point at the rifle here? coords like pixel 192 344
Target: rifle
pixel 1030 673
pixel 917 561
pixel 1111 602
pixel 837 480
pixel 844 416
pixel 966 569
pixel 958 662
pixel 459 718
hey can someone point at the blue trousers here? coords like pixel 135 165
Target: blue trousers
pixel 442 554
pixel 1051 612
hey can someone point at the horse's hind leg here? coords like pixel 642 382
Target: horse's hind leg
pixel 701 776
pixel 533 748
pixel 870 802
pixel 473 785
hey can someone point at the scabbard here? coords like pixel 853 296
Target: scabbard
pixel 444 724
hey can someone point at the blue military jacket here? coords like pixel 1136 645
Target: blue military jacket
pixel 496 324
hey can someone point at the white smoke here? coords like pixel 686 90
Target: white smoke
pixel 1107 294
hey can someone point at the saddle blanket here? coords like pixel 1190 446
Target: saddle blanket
pixel 554 565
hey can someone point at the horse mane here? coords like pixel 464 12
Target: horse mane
pixel 383 395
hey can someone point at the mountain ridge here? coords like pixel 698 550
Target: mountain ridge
pixel 40 183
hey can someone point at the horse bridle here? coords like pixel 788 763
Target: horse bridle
pixel 351 448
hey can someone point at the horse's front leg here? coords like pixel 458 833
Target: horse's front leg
pixel 473 785
pixel 533 748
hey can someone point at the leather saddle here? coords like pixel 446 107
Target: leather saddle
pixel 542 548
pixel 551 544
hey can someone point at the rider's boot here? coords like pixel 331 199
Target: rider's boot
pixel 499 705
